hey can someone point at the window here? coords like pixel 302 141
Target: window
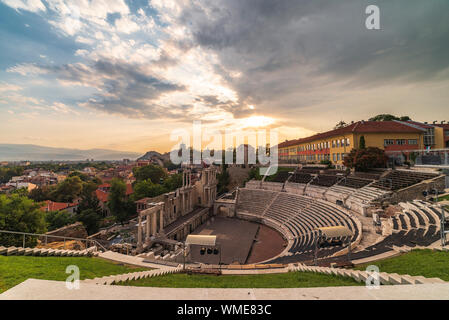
pixel 413 141
pixel 338 157
pixel 348 143
pixel 400 142
pixel 333 143
pixel 388 142
pixel 338 143
pixel 334 157
pixel 446 133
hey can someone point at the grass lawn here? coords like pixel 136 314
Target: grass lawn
pixel 425 263
pixel 16 269
pixel 444 198
pixel 282 280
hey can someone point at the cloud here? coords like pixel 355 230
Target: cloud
pixel 290 55
pixel 212 59
pixel 26 69
pixel 28 5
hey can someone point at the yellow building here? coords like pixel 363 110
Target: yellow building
pixel 392 136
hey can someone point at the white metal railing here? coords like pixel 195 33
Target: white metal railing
pixel 46 236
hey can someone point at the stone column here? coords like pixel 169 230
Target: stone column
pixel 148 231
pixel 161 226
pixel 139 232
pixel 190 200
pixel 154 222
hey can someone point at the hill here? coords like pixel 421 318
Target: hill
pixel 18 152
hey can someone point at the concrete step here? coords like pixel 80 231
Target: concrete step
pixel 44 252
pixel 12 251
pixel 406 279
pixel 395 278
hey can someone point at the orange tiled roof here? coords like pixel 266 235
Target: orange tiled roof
pixel 55 206
pixel 101 195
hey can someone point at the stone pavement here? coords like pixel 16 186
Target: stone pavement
pixel 56 290
pixel 131 260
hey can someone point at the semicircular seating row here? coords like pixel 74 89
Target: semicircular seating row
pixel 417 225
pixel 300 215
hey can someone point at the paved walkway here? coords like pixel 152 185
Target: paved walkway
pixel 56 290
pixel 131 260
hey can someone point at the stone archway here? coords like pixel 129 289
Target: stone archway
pixel 224 209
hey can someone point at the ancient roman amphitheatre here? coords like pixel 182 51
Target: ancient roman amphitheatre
pixel 306 229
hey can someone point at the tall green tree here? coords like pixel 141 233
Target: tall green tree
pixel 7 173
pixel 152 172
pixel 223 180
pixel 121 207
pixel 90 219
pixel 41 194
pixel 58 219
pixel 173 182
pixel 146 188
pixel 19 213
pixel 88 199
pixel 67 190
pixel 362 144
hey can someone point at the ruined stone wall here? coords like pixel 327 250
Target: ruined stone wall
pixel 75 230
pixel 416 191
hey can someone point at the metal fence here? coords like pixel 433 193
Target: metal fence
pixel 25 239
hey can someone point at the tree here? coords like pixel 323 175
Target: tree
pixel 88 199
pixel 254 174
pixel 21 214
pixel 173 182
pixel 341 124
pixel 58 219
pixel 171 166
pixel 81 175
pixel 328 163
pixel 146 188
pixel 41 194
pixel 365 159
pixel 121 208
pixel 7 173
pixel 362 144
pixel 90 219
pixel 67 190
pixel 152 172
pixel 223 180
pixel 389 117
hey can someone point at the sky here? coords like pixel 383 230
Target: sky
pixel 126 74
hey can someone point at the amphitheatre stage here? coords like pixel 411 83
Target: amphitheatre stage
pixel 235 237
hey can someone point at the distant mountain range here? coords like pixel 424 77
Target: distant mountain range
pixel 19 152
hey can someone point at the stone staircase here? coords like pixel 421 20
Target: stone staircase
pixel 115 279
pixel 362 276
pixel 41 252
